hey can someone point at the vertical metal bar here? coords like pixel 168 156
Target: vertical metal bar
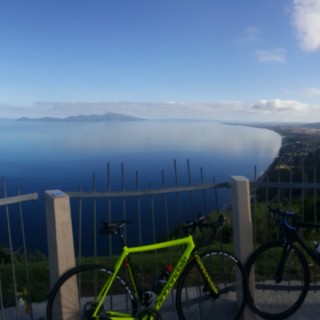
pixel 290 190
pixel 216 196
pixel 139 210
pixel 204 198
pixel 26 262
pixel 140 230
pixel 302 191
pixel 178 193
pixel 167 227
pixel 94 219
pixel 123 189
pixel 154 237
pixel 80 229
pixel 165 200
pixel 123 198
pixel 216 202
pixel 315 217
pixel 109 208
pixel 279 190
pixel 267 201
pixel 189 182
pixel 1 301
pixel 94 231
pixel 254 220
pixel 11 248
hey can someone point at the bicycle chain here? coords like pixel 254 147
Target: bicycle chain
pixel 149 314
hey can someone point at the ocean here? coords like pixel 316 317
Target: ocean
pixel 37 156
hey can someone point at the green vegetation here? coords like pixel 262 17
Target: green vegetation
pixel 298 162
pixel 147 266
pixel 38 285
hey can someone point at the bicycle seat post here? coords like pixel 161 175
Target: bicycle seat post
pixel 121 235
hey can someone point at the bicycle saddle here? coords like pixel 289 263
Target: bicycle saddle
pixel 112 227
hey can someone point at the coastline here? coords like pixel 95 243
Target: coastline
pixel 298 143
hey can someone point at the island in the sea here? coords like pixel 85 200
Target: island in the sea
pixel 109 116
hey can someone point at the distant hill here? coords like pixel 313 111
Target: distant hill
pixel 109 116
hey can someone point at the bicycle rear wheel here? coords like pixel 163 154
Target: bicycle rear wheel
pixel 74 294
pixel 272 299
pixel 194 298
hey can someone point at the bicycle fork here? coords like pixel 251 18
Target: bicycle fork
pixel 209 285
pixel 280 267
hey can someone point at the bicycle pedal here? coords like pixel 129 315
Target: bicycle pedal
pixel 148 298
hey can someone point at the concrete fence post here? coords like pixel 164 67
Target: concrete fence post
pixel 59 233
pixel 61 249
pixel 242 223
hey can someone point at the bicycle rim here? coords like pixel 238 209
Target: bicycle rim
pixel 74 296
pixel 194 298
pixel 271 299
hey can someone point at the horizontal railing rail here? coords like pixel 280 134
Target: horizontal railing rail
pixel 145 192
pixel 18 199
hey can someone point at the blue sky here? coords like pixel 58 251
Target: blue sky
pixel 224 60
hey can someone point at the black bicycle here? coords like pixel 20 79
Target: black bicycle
pixel 278 272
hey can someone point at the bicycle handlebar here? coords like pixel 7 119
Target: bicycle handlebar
pixel 277 213
pixel 114 227
pixel 280 218
pixel 191 225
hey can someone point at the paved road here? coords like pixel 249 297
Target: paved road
pixel 310 310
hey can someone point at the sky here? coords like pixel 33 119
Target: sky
pixel 224 60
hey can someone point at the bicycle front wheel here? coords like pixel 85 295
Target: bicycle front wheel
pixel 74 296
pixel 195 299
pixel 277 289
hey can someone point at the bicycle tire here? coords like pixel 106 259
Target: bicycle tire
pixel 194 300
pixel 268 299
pixel 75 293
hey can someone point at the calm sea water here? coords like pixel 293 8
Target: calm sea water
pixel 39 156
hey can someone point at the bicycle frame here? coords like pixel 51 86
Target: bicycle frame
pixel 178 268
pixel 292 236
pixel 296 237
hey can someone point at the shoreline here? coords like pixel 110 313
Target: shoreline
pixel 298 143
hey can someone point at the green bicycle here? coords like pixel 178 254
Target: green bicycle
pixel 210 285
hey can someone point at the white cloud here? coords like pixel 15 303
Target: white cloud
pixel 312 91
pixel 276 55
pixel 250 34
pixel 278 105
pixel 306 21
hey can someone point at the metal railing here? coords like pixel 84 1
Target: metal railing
pixel 15 295
pixel 170 204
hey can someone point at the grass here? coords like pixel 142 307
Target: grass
pixel 38 286
pixel 147 267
